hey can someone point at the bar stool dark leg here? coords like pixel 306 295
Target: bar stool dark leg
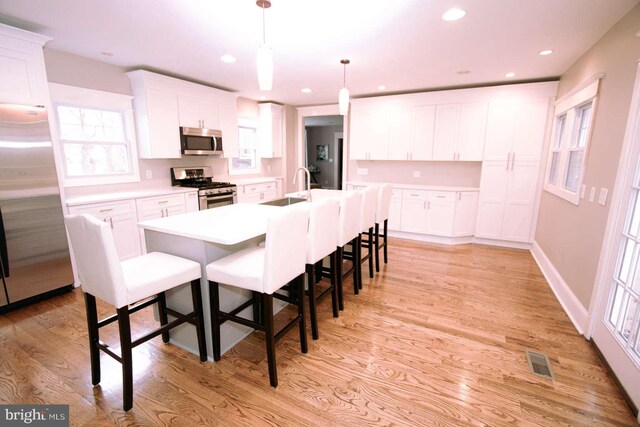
pixel 377 243
pixel 214 303
pixel 162 314
pixel 127 365
pixel 196 296
pixel 370 252
pixel 385 241
pixel 267 307
pixel 359 258
pixel 339 277
pixel 312 300
pixel 94 337
pixel 356 264
pixel 302 325
pixel 334 283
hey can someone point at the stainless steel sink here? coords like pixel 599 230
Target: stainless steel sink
pixel 286 201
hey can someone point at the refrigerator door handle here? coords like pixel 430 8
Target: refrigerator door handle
pixel 4 254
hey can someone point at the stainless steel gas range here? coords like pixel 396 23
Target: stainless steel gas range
pixel 210 194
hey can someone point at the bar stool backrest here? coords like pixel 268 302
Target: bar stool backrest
pixel 97 261
pixel 369 205
pixel 350 205
pixel 322 238
pixel 285 247
pixel 384 202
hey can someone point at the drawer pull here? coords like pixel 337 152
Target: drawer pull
pixel 106 210
pixel 163 202
pixel 441 197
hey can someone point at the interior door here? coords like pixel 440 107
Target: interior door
pixel 616 331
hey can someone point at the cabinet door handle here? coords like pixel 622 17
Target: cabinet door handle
pixel 111 222
pixel 513 159
pixel 429 204
pixel 508 160
pixel 166 211
pixel 459 196
pixel 424 206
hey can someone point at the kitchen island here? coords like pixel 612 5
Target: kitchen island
pixel 205 236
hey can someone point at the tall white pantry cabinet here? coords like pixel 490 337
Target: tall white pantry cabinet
pixel 503 127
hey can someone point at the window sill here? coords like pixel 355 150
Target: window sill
pixel 570 197
pixel 103 180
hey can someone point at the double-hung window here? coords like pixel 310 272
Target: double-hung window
pixel 248 160
pixel 95 135
pixel 574 116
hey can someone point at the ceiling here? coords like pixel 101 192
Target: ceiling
pixel 402 44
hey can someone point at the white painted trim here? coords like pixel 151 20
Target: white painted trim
pixel 20 34
pixel 565 296
pixel 501 243
pixel 429 238
pixel 625 167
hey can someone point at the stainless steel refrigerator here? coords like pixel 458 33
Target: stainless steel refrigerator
pixel 34 255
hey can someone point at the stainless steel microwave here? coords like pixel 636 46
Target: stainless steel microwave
pixel 200 142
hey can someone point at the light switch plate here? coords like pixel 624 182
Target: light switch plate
pixel 148 174
pixel 363 171
pixel 582 190
pixel 602 198
pixel 417 174
pixel 592 194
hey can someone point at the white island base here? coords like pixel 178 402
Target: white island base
pixel 203 237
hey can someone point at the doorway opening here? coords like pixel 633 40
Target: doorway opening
pixel 324 143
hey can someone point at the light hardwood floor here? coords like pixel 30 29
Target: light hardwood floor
pixel 437 338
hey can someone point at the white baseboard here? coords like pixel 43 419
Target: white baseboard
pixel 501 243
pixel 572 306
pixel 429 238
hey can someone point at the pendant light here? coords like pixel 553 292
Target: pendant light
pixel 343 97
pixel 265 56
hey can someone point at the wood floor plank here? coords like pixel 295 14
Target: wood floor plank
pixel 436 338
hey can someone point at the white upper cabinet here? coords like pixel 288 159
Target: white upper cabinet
pixel 272 130
pixel 516 130
pixel 163 104
pixel 460 131
pixel 23 77
pixel 369 131
pixel 156 115
pixel 400 141
pixel 422 132
pixel 445 142
pixel 198 113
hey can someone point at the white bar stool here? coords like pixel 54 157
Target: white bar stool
pixel 264 270
pixel 368 222
pixel 348 232
pixel 121 284
pixel 322 241
pixel 382 217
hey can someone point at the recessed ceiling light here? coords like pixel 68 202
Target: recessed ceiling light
pixel 229 59
pixel 382 87
pixel 453 14
pixel 306 90
pixel 545 52
pixel 510 75
pixel 463 72
pixel 105 53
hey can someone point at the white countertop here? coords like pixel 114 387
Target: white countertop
pixel 227 225
pixel 249 181
pixel 125 195
pixel 417 187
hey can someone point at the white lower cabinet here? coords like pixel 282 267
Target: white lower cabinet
pixel 395 210
pixel 257 193
pixel 414 211
pixel 122 218
pixel 191 202
pixel 464 223
pixel 440 213
pixel 507 200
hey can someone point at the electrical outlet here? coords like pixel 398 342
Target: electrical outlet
pixel 592 194
pixel 582 190
pixel 417 174
pixel 602 198
pixel 363 171
pixel 148 173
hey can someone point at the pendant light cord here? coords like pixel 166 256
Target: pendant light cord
pixel 344 76
pixel 264 31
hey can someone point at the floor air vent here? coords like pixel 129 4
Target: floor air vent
pixel 539 364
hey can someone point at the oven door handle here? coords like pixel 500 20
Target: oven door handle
pixel 226 196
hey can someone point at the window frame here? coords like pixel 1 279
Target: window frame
pixel 571 106
pixel 72 96
pixel 246 124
